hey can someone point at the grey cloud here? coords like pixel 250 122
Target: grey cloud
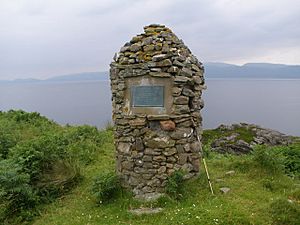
pixel 113 7
pixel 45 38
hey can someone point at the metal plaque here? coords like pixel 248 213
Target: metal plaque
pixel 147 96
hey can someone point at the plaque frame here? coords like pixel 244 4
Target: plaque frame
pixel 166 82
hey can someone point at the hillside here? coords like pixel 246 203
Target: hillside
pixel 212 70
pixel 76 77
pixel 48 171
pixel 91 76
pixel 252 71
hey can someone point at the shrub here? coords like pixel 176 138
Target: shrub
pixel 35 171
pixel 39 161
pixel 285 212
pixel 269 160
pixel 33 118
pixel 7 140
pixel 292 160
pixel 83 133
pixel 84 152
pixel 16 194
pixel 84 142
pixel 57 179
pixel 106 187
pixel 37 155
pixel 281 158
pixel 206 151
pixel 174 187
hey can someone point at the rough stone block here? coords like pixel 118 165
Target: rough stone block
pixel 181 133
pixel 167 125
pixel 159 158
pixel 182 159
pixel 124 147
pixel 170 151
pixel 137 122
pixel 186 72
pixel 181 100
pixel 181 109
pixel 160 142
pixel 158 117
pixel 159 57
pixel 127 165
pixel 164 63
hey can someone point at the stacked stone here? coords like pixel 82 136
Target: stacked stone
pixel 149 148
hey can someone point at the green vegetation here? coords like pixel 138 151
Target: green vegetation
pixel 50 174
pixel 279 159
pixel 174 187
pixel 40 161
pixel 285 212
pixel 105 187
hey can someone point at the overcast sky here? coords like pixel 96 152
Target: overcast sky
pixel 44 38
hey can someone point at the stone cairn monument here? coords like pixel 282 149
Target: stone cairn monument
pixel 156 86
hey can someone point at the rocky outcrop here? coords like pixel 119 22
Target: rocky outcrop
pixel 241 138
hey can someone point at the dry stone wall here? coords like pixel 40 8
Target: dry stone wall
pixel 152 143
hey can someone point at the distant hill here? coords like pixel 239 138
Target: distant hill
pixel 252 71
pixel 29 80
pixel 88 76
pixel 96 76
pixel 212 70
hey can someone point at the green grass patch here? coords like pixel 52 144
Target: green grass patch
pixel 39 155
pixel 250 200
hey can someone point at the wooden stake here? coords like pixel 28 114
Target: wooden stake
pixel 205 166
pixel 204 162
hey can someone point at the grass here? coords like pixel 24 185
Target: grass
pixel 259 193
pixel 249 201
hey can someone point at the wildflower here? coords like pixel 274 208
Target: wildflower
pixel 216 221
